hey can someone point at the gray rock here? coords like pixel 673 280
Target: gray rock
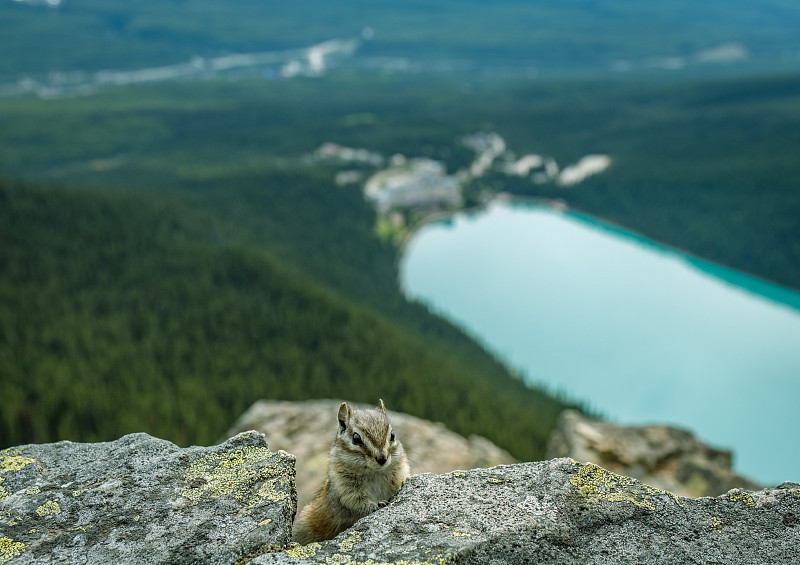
pixel 144 500
pixel 563 512
pixel 662 456
pixel 307 428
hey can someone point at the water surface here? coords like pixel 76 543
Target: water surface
pixel 641 332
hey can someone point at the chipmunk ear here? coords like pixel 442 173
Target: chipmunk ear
pixel 344 416
pixel 381 407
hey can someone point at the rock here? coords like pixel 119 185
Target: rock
pixel 306 429
pixel 662 456
pixel 562 512
pixel 143 500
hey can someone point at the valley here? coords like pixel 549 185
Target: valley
pixel 199 212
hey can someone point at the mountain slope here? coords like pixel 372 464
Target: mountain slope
pixel 123 312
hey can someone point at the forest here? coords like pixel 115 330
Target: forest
pixel 128 312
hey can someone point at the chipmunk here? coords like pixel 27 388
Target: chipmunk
pixel 367 467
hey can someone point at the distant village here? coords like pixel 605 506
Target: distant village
pixel 418 183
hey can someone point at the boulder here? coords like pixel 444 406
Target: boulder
pixel 144 500
pixel 306 429
pixel 663 456
pixel 562 512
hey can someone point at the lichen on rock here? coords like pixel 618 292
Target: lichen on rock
pixel 9 549
pixel 144 500
pixel 560 512
pixel 594 481
pixel 218 474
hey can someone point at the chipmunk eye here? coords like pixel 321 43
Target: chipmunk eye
pixel 391 437
pixel 357 439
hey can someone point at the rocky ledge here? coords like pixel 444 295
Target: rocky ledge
pixel 562 512
pixel 144 500
pixel 663 456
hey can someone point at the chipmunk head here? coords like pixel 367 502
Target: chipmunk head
pixel 367 436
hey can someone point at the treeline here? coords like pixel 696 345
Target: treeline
pixel 123 312
pixel 707 166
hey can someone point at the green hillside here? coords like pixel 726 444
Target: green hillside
pixel 124 312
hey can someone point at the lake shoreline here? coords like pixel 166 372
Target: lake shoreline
pixel 635 327
pixel 561 205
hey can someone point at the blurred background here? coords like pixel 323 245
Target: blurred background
pixel 204 204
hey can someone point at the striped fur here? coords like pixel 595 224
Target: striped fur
pixel 367 466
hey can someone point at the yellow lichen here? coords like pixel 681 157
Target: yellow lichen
pixel 269 491
pixel 346 545
pixel 436 560
pixel 303 551
pixel 14 521
pixel 715 524
pixel 235 474
pixel 13 463
pixel 594 481
pixel 10 464
pixel 33 490
pixel 49 508
pixel 9 549
pixel 350 541
pixel 462 534
pixel 737 495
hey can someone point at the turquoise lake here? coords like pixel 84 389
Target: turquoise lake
pixel 641 332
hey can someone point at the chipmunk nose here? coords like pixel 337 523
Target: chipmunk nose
pixel 381 459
